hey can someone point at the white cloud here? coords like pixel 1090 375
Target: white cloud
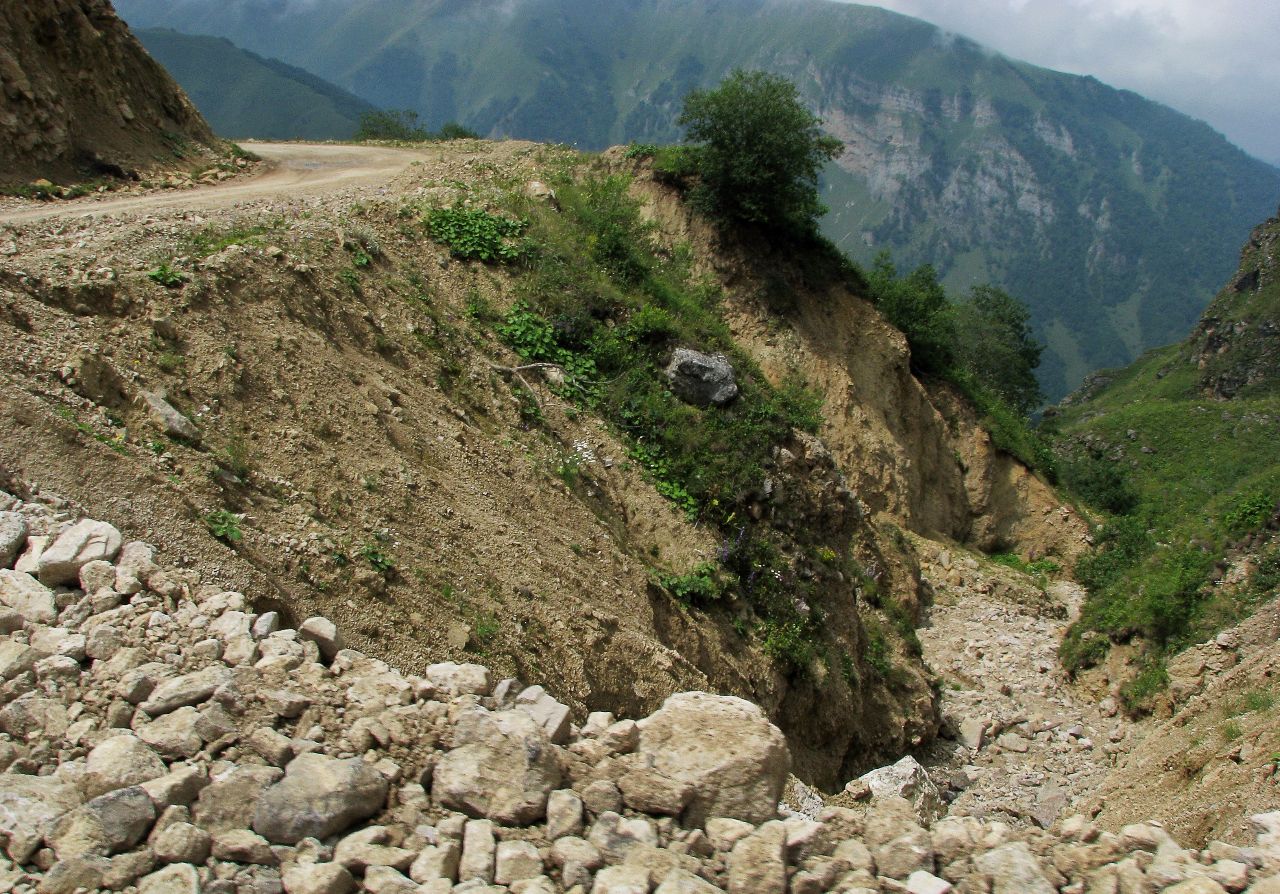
pixel 1213 59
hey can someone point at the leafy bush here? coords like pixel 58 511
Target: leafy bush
pixel 758 152
pixel 475 234
pixel 224 525
pixel 1249 512
pixel 701 586
pixel 994 344
pixel 1098 481
pixel 918 305
pixel 167 276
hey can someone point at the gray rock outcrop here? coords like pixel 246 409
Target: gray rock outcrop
pixel 704 380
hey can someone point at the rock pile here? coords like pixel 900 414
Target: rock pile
pixel 159 736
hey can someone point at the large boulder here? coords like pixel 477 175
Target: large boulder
pixel 84 542
pixel 107 825
pixel 502 767
pixel 318 797
pixel 704 380
pixel 725 749
pixel 908 780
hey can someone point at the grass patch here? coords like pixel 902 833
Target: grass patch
pixel 212 239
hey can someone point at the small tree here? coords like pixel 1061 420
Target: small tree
pixel 391 124
pixel 994 342
pixel 918 305
pixel 758 152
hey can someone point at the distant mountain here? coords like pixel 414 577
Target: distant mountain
pixel 1114 217
pixel 243 94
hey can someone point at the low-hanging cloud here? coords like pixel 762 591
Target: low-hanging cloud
pixel 1213 59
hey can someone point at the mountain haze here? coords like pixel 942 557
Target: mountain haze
pixel 1115 218
pixel 243 94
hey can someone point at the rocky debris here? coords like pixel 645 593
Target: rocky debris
pixel 164 767
pixel 704 380
pixel 1026 748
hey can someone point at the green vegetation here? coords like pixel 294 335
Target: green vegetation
pixel 225 525
pixel 401 125
pixel 243 94
pixel 377 559
pixel 474 234
pixel 757 153
pixel 700 587
pixel 597 298
pixel 1190 482
pixel 212 239
pixel 167 276
pixel 982 345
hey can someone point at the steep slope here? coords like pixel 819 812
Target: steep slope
pixel 1193 428
pixel 1113 217
pixel 360 447
pixel 243 95
pixel 83 98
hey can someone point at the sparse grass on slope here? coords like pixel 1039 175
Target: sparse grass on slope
pixel 1201 479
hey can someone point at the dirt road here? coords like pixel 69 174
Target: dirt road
pixel 292 169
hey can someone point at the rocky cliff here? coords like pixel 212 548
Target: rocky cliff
pixel 1236 345
pixel 82 98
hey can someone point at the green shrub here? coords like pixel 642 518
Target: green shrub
pixel 1098 481
pixel 475 234
pixel 167 276
pixel 401 125
pixel 758 152
pixel 377 559
pixel 701 586
pixel 1249 512
pixel 225 525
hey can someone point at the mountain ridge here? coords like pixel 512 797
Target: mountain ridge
pixel 243 94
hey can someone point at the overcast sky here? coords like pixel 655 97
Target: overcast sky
pixel 1217 60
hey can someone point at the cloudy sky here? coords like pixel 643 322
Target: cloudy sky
pixel 1217 60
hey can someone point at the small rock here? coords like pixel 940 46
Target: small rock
pixel 324 633
pixel 757 864
pixel 700 379
pixel 516 861
pixel 478 852
pixel 318 878
pixel 178 878
pixel 27 596
pixel 182 843
pixel 13 537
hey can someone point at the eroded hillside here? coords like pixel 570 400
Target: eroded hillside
pixel 83 99
pixel 353 436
